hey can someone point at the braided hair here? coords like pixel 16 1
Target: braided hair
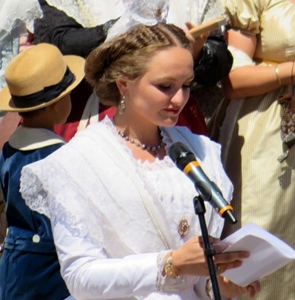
pixel 127 56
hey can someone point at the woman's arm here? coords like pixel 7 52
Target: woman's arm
pixel 90 274
pixel 57 28
pixel 253 80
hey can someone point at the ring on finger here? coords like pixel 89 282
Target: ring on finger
pixel 218 269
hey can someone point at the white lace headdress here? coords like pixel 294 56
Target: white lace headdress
pixel 140 12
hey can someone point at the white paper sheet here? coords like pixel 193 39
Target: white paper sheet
pixel 268 254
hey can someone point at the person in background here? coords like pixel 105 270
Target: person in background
pixel 15 21
pixel 127 240
pixel 257 134
pixel 39 82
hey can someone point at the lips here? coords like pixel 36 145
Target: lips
pixel 174 111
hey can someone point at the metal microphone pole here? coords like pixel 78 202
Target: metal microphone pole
pixel 208 249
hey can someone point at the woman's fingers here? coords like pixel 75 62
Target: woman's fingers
pixel 253 288
pixel 231 256
pixel 190 259
pixel 229 260
pixel 230 289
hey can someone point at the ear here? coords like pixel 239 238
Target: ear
pixel 122 86
pixel 54 106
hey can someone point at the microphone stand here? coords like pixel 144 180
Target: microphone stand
pixel 208 249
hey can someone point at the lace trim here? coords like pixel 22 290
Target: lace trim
pixel 70 221
pixel 148 12
pixel 169 284
pixel 37 199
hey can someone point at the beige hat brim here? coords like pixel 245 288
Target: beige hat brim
pixel 75 64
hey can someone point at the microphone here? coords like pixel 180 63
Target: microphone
pixel 208 190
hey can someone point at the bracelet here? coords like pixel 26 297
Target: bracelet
pixel 209 290
pixel 169 269
pixel 278 75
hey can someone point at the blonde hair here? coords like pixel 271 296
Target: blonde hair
pixel 127 56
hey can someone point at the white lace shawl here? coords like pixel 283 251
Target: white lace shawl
pixel 94 175
pixel 95 189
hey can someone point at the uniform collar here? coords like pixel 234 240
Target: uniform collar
pixel 25 138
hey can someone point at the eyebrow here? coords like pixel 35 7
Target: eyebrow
pixel 175 79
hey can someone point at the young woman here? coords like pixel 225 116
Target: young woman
pixel 116 201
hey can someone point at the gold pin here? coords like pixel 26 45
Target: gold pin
pixel 183 227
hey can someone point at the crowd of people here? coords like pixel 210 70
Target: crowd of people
pixel 95 207
pixel 257 131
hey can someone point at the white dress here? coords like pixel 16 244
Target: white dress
pixel 114 218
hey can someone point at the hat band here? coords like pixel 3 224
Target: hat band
pixel 47 94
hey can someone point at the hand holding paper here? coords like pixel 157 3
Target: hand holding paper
pixel 268 254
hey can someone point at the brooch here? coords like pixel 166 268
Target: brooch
pixel 183 227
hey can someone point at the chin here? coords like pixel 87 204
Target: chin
pixel 169 122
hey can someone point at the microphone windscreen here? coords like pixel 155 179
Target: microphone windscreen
pixel 180 155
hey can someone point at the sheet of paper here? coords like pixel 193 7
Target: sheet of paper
pixel 268 254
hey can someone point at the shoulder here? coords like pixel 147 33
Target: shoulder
pixel 246 14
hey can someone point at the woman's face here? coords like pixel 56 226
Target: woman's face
pixel 159 95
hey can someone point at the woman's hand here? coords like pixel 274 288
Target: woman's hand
pixel 25 41
pixel 198 42
pixel 229 289
pixel 190 259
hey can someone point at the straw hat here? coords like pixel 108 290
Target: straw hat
pixel 38 77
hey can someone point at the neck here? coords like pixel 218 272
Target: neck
pixel 144 133
pixel 31 123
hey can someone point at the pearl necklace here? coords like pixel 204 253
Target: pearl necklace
pixel 141 145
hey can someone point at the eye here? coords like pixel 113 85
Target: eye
pixel 164 87
pixel 187 85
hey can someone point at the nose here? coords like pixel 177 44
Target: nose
pixel 180 97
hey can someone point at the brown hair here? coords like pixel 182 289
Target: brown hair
pixel 127 56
